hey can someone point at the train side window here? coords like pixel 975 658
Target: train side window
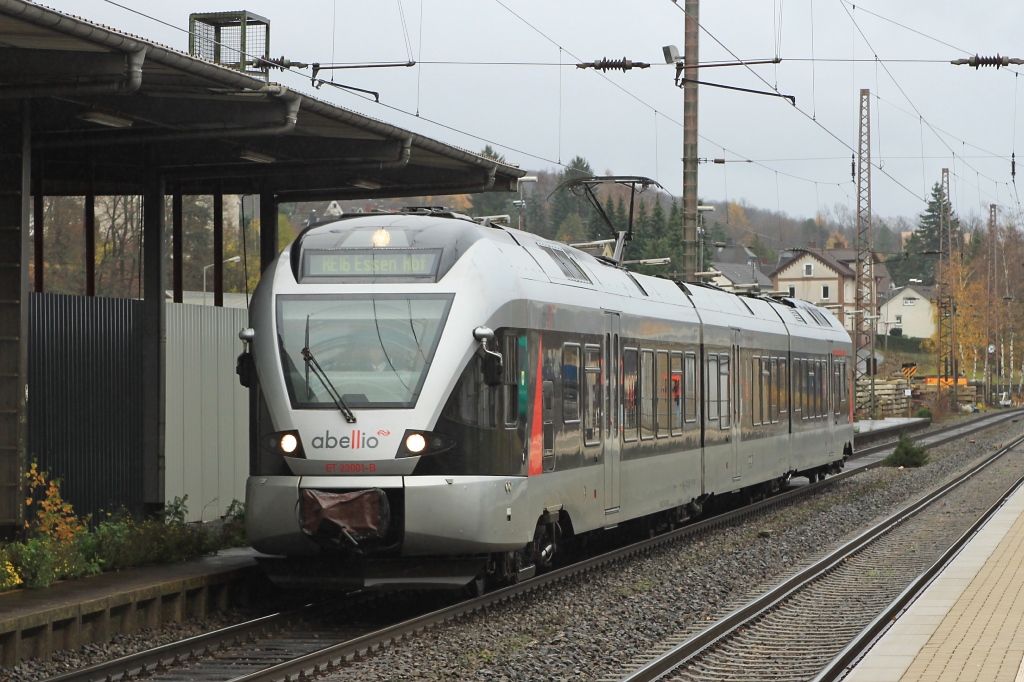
pixel 630 359
pixel 571 383
pixel 812 390
pixel 676 394
pixel 510 379
pixel 592 395
pixel 798 396
pixel 712 392
pixel 690 389
pixel 755 391
pixel 647 385
pixel 723 391
pixel 661 401
pixel 821 379
pixel 835 387
pixel 815 377
pixel 773 387
pixel 783 381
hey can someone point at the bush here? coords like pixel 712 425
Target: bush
pixel 9 578
pixel 923 413
pixel 896 331
pixel 57 544
pixel 233 533
pixel 907 454
pixel 35 562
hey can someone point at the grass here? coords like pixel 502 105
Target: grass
pixel 907 454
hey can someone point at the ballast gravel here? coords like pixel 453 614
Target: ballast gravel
pixel 589 629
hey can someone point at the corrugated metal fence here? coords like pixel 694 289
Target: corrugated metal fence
pixel 85 398
pixel 85 403
pixel 207 432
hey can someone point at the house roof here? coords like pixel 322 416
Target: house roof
pixel 741 274
pixel 925 292
pixel 823 256
pixel 841 260
pixel 734 253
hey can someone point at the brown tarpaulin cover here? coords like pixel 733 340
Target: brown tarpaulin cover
pixel 362 514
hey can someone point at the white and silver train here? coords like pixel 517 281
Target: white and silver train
pixel 438 401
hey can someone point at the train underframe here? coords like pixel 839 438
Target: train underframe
pixel 336 562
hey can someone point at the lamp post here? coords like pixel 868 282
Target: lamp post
pixel 522 202
pixel 206 268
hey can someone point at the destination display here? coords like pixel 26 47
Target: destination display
pixel 375 263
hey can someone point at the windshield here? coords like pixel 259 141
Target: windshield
pixel 374 350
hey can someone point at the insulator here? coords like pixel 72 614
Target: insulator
pixel 996 61
pixel 614 65
pixel 853 166
pixel 1013 165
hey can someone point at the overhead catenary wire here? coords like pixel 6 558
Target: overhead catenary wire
pixel 533 155
pixel 829 132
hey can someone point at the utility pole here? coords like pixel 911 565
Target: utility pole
pixel 865 298
pixel 690 214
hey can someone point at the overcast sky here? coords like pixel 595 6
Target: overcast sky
pixel 925 113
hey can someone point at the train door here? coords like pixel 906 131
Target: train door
pixel 613 436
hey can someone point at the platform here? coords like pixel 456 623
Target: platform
pixel 35 623
pixel 969 623
pixel 871 431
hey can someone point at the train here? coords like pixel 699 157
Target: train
pixel 439 401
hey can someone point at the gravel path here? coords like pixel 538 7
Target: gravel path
pixel 590 629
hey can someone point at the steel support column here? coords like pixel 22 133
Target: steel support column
pixel 90 244
pixel 154 342
pixel 690 108
pixel 177 249
pixel 946 359
pixel 268 229
pixel 866 323
pixel 218 250
pixel 15 207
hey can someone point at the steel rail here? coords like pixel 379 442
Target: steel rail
pixel 693 646
pixel 846 659
pixel 148 662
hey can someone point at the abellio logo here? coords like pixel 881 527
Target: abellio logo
pixel 356 440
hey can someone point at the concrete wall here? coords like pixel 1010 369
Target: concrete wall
pixel 207 411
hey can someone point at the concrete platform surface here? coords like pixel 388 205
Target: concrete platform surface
pixel 34 623
pixel 969 623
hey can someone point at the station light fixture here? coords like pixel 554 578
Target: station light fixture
pixel 104 119
pixel 256 157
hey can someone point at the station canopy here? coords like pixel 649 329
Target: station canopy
pixel 107 109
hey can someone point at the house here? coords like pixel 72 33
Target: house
pixel 828 277
pixel 910 309
pixel 734 276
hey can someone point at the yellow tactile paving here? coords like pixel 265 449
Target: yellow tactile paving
pixel 969 624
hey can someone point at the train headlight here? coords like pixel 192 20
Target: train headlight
pixel 423 443
pixel 415 443
pixel 289 443
pixel 286 443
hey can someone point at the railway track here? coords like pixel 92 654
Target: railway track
pixel 815 624
pixel 299 643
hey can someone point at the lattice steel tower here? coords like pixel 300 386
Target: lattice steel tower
pixel 945 348
pixel 865 317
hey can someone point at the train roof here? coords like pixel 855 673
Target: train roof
pixel 454 233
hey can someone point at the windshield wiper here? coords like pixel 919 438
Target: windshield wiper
pixel 311 362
